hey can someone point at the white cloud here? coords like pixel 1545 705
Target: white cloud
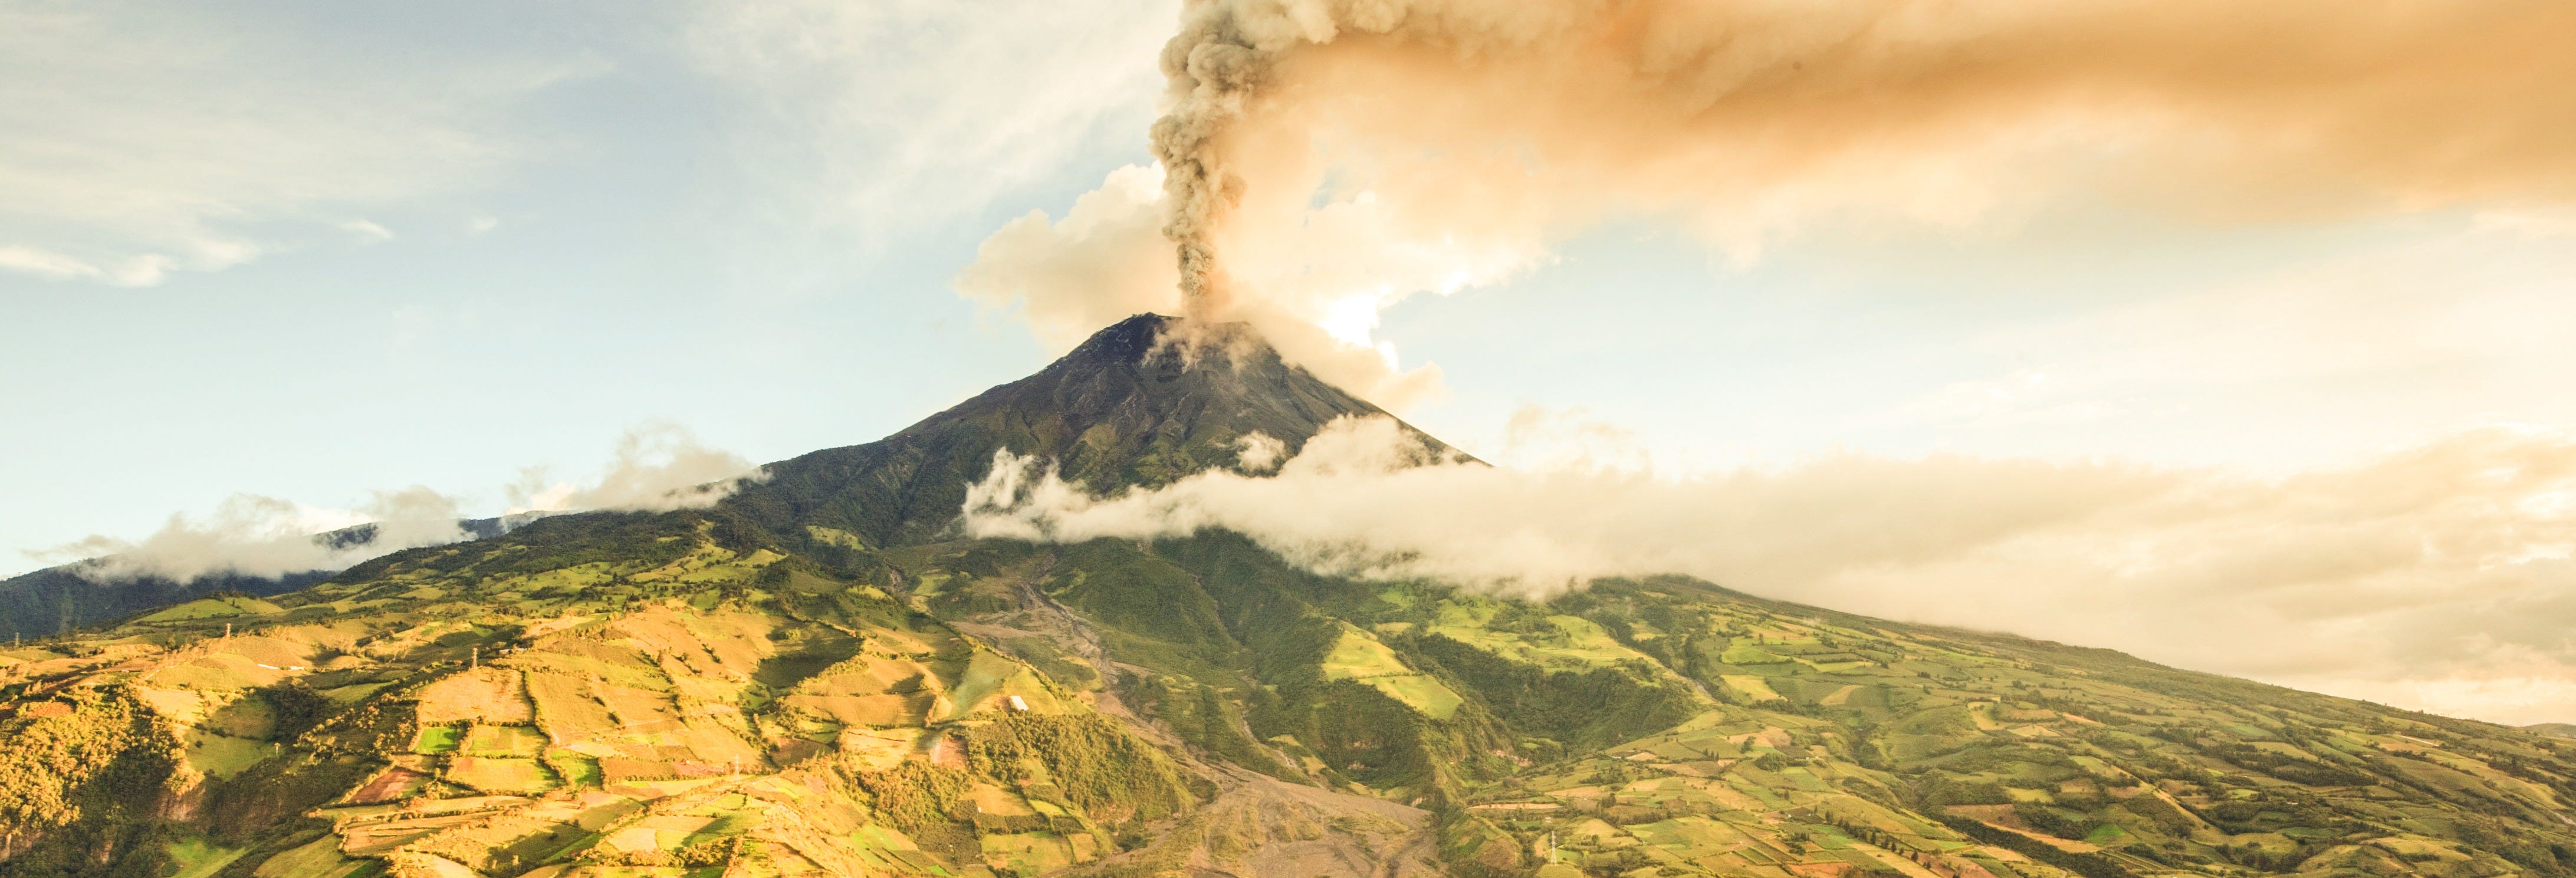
pixel 1537 437
pixel 135 271
pixel 2526 224
pixel 657 467
pixel 1260 452
pixel 251 535
pixel 890 114
pixel 1105 261
pixel 367 231
pixel 2434 576
pixel 2419 332
pixel 140 141
pixel 2027 396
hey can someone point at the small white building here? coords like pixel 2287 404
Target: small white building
pixel 1018 704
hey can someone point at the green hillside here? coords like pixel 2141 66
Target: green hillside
pixel 817 678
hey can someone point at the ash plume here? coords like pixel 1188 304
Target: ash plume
pixel 1323 159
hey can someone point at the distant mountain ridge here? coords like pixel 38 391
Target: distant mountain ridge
pixel 68 596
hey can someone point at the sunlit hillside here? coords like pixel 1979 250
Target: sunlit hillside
pixel 820 677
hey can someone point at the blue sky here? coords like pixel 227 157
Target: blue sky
pixel 625 227
pixel 310 251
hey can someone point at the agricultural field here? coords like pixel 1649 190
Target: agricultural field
pixel 485 695
pixel 489 740
pixel 213 608
pixel 222 755
pixel 434 740
pixel 1358 656
pixel 195 858
pixel 500 775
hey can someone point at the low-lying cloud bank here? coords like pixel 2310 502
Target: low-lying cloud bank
pixel 656 468
pixel 2437 577
pixel 250 535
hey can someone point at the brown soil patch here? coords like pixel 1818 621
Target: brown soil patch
pixel 488 695
pixel 393 784
pixel 618 770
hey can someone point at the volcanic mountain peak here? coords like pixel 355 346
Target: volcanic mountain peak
pixel 1143 402
pixel 1163 375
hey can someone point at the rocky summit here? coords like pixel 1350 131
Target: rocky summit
pixel 819 676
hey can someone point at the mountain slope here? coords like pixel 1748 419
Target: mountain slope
pixel 815 678
pixel 1127 407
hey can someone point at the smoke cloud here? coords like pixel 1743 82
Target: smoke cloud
pixel 2438 576
pixel 1326 158
pixel 1104 261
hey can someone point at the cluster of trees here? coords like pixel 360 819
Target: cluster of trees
pixel 2290 768
pixel 80 777
pixel 916 797
pixel 1098 767
pixel 2087 865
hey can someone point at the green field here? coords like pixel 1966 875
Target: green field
pixel 222 755
pixel 1357 656
pixel 1570 643
pixel 502 741
pixel 1028 853
pixel 1421 692
pixel 434 740
pixel 1754 688
pixel 576 769
pixel 195 858
pixel 214 608
pixel 986 675
pixel 319 859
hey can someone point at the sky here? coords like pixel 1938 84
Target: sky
pixel 323 254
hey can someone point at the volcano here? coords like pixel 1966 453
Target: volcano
pixel 821 676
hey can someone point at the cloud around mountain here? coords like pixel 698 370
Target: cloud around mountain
pixel 2437 576
pixel 251 535
pixel 657 467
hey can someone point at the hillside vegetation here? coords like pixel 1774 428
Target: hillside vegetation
pixel 819 678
